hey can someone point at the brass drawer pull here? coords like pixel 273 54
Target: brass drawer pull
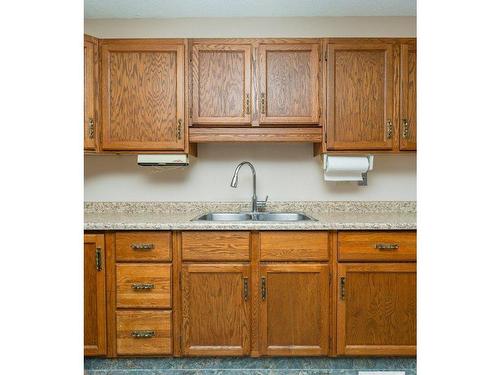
pixel 386 246
pixel 91 128
pixel 263 289
pixel 245 288
pixel 179 129
pixel 143 286
pixel 142 246
pixel 342 288
pixel 247 103
pixel 406 129
pixel 263 103
pixel 389 129
pixel 98 259
pixel 143 334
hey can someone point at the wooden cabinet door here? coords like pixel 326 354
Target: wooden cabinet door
pixel 289 84
pixel 360 96
pixel 221 84
pixel 90 93
pixel 94 292
pixel 408 130
pixel 215 309
pixel 377 309
pixel 294 309
pixel 142 95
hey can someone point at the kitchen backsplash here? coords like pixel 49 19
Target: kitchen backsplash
pixel 284 172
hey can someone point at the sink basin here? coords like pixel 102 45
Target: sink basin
pixel 248 216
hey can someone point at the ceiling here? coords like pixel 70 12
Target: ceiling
pixel 246 8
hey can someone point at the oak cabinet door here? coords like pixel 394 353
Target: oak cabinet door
pixel 408 132
pixel 142 95
pixel 90 94
pixel 221 84
pixel 376 309
pixel 215 309
pixel 294 309
pixel 360 97
pixel 94 292
pixel 289 84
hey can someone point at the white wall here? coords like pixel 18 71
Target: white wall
pixel 284 171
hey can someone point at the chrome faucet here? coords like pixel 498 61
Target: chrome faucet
pixel 256 205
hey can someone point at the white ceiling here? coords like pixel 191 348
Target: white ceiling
pixel 246 8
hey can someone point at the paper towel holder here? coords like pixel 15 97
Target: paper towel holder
pixel 364 175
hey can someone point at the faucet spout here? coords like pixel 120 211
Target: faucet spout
pixel 234 182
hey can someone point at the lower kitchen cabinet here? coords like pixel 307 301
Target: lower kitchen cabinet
pixel 215 309
pixel 94 294
pixel 294 309
pixel 376 309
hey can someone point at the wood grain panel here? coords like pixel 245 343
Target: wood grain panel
pixel 90 53
pixel 295 310
pixel 294 246
pixel 213 246
pixel 160 322
pixel 360 97
pixel 144 246
pixel 377 315
pixel 158 274
pixel 221 84
pixel 255 134
pixel 289 82
pixel 408 140
pixel 94 296
pixel 142 96
pixel 216 314
pixel 362 246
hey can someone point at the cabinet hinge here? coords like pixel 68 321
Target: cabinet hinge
pixel 326 55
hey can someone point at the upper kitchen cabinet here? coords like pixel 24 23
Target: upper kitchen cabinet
pixel 142 90
pixel 360 95
pixel 221 84
pixel 90 74
pixel 289 83
pixel 408 114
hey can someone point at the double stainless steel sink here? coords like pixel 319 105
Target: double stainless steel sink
pixel 254 216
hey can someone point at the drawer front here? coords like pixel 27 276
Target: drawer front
pixel 143 332
pixel 216 246
pixel 147 246
pixel 143 285
pixel 294 246
pixel 377 246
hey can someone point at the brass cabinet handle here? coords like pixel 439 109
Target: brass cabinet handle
pixel 245 288
pixel 263 103
pixel 98 259
pixel 142 246
pixel 143 286
pixel 247 103
pixel 143 334
pixel 263 290
pixel 179 128
pixel 386 246
pixel 91 128
pixel 406 129
pixel 342 288
pixel 389 129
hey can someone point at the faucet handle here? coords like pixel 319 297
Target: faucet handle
pixel 261 205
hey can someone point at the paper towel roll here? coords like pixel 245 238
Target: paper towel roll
pixel 346 168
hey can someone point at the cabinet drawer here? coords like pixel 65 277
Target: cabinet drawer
pixel 217 246
pixel 147 246
pixel 143 332
pixel 143 285
pixel 290 246
pixel 377 246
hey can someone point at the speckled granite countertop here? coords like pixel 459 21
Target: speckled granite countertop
pixel 330 215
